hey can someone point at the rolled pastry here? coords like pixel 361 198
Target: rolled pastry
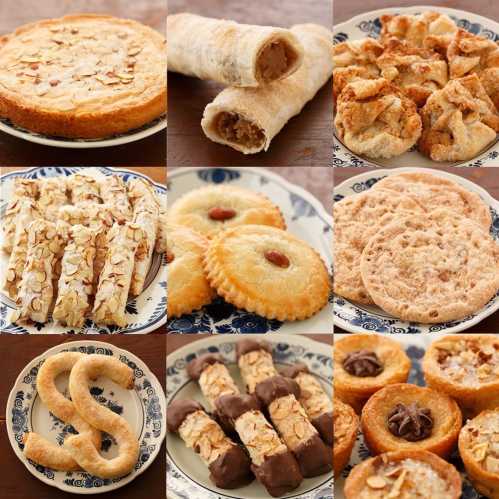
pixel 81 447
pixel 279 395
pixel 315 401
pixel 17 260
pixel 229 465
pixel 52 197
pixel 36 291
pixel 230 53
pixel 247 119
pixel 273 464
pixel 75 283
pixel 116 276
pixel 36 447
pixel 254 358
pixel 113 192
pixel 84 189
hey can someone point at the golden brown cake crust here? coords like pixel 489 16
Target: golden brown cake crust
pixel 82 76
pixel 346 425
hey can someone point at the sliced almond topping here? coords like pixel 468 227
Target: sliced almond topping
pixel 40 276
pixel 36 304
pixel 299 430
pixel 376 482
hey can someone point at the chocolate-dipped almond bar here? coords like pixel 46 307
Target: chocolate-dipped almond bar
pixel 254 358
pixel 229 465
pixel 314 399
pixel 279 395
pixel 273 464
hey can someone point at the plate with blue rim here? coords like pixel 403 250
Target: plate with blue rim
pixel 305 217
pixel 369 25
pixel 360 318
pixel 144 313
pixel 144 408
pixel 187 476
pixel 414 346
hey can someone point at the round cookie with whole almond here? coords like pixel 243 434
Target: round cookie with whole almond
pixel 211 209
pixel 188 289
pixel 267 271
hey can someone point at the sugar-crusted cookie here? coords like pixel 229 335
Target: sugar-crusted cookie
pixel 188 288
pixel 268 271
pixel 356 220
pixel 431 268
pixel 208 210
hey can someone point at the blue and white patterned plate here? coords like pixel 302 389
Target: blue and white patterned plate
pixel 414 346
pixel 360 318
pixel 145 313
pixel 144 131
pixel 144 408
pixel 369 25
pixel 187 476
pixel 305 217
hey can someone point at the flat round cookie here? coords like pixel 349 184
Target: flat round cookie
pixel 268 271
pixel 433 192
pixel 208 210
pixel 188 288
pixel 83 76
pixel 431 268
pixel 356 220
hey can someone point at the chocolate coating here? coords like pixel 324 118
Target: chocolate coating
pixel 324 425
pixel 230 407
pixel 293 371
pixel 231 469
pixel 250 345
pixel 279 473
pixel 199 364
pixel 314 457
pixel 276 387
pixel 178 410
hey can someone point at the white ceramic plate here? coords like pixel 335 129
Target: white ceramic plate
pixel 187 476
pixel 305 217
pixel 144 408
pixel 144 313
pixel 151 128
pixel 360 318
pixel 414 346
pixel 369 25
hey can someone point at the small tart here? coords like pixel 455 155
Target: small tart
pixel 211 209
pixel 345 427
pixel 479 449
pixel 188 288
pixel 268 271
pixel 83 76
pixel 405 474
pixel 465 367
pixel 355 390
pixel 377 419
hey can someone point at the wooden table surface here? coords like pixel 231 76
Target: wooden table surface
pixel 17 482
pixel 345 9
pixel 18 152
pixel 488 178
pixel 305 141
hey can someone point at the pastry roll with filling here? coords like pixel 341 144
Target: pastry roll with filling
pixel 254 358
pixel 84 189
pixel 113 192
pixel 247 119
pixel 52 197
pixel 231 53
pixel 116 276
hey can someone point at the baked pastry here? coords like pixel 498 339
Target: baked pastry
pixel 356 220
pixel 412 270
pixel 434 192
pixel 416 71
pixel 188 288
pixel 458 121
pixel 209 210
pixel 465 367
pixel 345 427
pixel 409 417
pixel 365 363
pixel 374 118
pixel 363 52
pixel 84 76
pixel 231 53
pixel 268 271
pixel 405 474
pixel 247 119
pixel 343 76
pixel 479 450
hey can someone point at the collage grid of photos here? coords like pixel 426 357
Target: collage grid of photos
pixel 249 249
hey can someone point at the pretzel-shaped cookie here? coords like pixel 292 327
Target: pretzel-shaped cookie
pixel 36 447
pixel 80 446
